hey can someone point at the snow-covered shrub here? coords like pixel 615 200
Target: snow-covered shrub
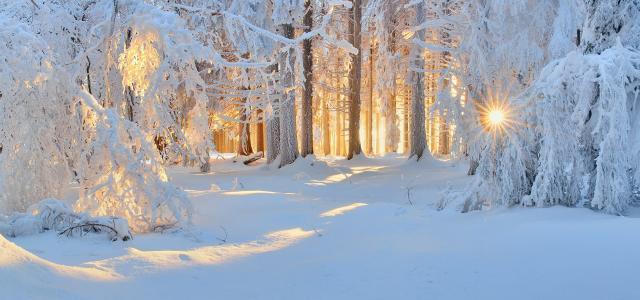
pixel 124 176
pixel 578 117
pixel 503 174
pixel 52 214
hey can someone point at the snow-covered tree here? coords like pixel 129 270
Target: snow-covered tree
pixel 574 139
pixel 35 122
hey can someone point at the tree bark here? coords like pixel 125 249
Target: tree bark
pixel 260 133
pixel 355 80
pixel 326 131
pixel 273 138
pixel 369 124
pixel 244 133
pixel 307 97
pixel 288 135
pixel 405 121
pixel 129 91
pixel 418 135
pixel 392 131
pixel 272 121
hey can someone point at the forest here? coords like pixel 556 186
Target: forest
pixel 176 148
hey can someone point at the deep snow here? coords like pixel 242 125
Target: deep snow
pixel 336 229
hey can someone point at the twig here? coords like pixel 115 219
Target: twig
pixel 409 195
pixel 224 240
pixel 95 227
pixel 164 227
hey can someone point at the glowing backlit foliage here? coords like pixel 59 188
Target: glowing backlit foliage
pixel 139 62
pixel 127 179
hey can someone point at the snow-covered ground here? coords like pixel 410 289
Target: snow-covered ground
pixel 336 229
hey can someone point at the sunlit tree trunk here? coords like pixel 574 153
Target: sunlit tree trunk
pixel 405 121
pixel 260 132
pixel 326 130
pixel 392 132
pixel 338 112
pixel 288 135
pixel 307 97
pixel 369 124
pixel 355 80
pixel 340 129
pixel 417 135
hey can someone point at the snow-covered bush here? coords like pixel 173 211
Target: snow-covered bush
pixel 124 176
pixel 52 214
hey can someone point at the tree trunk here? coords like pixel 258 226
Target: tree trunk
pixel 273 138
pixel 355 80
pixel 391 124
pixel 405 121
pixel 288 135
pixel 244 133
pixel 129 93
pixel 338 112
pixel 272 121
pixel 326 131
pixel 418 135
pixel 392 131
pixel 369 124
pixel 339 129
pixel 260 133
pixel 473 166
pixel 307 97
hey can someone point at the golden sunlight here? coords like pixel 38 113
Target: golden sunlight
pixel 341 210
pixel 139 62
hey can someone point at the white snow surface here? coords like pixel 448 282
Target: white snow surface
pixel 337 229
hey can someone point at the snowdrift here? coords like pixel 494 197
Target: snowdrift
pixel 32 277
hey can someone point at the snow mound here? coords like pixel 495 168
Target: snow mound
pixel 26 276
